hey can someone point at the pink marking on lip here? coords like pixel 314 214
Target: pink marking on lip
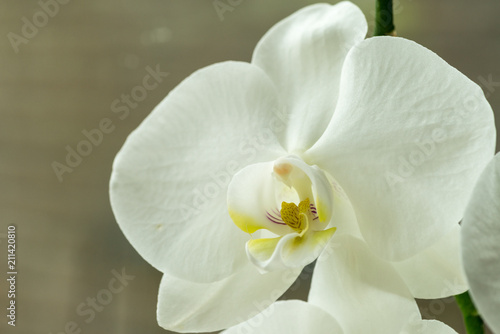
pixel 274 219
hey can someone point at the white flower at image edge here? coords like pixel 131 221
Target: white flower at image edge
pixel 481 244
pixel 294 316
pixel 361 152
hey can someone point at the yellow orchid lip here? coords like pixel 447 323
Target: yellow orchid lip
pixel 287 251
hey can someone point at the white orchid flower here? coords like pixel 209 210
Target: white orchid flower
pixel 298 317
pixel 323 140
pixel 481 244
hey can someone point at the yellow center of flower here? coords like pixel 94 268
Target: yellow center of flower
pixel 296 216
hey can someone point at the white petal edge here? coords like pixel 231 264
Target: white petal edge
pixel 169 180
pixel 436 272
pixel 303 54
pixel 407 142
pixel 185 306
pixel 363 292
pixel 428 327
pixel 289 317
pixel 481 244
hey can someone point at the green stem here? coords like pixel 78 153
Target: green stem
pixel 384 21
pixel 472 319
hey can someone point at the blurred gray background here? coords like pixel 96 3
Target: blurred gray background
pixel 63 79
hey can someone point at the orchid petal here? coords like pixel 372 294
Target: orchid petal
pixel 436 272
pixel 303 54
pixel 362 291
pixel 407 142
pixel 481 244
pixel 428 327
pixel 169 181
pixel 290 317
pixel 185 306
